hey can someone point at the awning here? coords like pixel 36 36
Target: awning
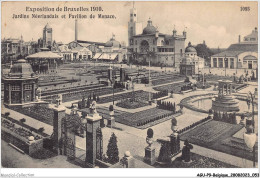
pixel 97 55
pixel 108 56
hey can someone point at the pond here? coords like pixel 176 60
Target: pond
pixel 206 104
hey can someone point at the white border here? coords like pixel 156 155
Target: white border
pixel 136 172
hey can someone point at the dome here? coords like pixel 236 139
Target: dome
pixel 149 29
pixel 190 48
pixel 21 69
pixel 113 43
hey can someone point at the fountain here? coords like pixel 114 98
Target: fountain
pixel 225 102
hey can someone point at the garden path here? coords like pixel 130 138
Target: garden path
pixel 48 129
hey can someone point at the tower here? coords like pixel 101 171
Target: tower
pixel 134 28
pixel 76 30
pixel 47 36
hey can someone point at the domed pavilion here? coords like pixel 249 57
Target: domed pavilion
pixel 20 84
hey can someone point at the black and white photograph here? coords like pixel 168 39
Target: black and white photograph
pixel 130 84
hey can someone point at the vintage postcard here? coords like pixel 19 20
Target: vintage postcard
pixel 130 84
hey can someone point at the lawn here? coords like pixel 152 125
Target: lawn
pixel 214 135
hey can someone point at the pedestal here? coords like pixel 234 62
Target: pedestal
pixel 92 145
pixel 59 114
pixel 111 122
pixel 150 155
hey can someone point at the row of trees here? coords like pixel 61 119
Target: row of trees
pixel 225 117
pixel 166 105
pixel 160 94
pixel 153 119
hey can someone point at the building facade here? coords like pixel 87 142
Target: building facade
pixel 191 63
pixel 20 84
pixel 240 55
pixel 47 36
pixel 151 45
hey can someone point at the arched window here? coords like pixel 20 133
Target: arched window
pixel 144 47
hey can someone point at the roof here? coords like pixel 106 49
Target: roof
pixel 236 49
pixel 149 29
pixel 254 34
pixel 21 69
pixel 190 48
pixel 91 42
pixel 44 55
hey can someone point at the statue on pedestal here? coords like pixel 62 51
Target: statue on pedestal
pixel 149 150
pixel 93 108
pixel 149 137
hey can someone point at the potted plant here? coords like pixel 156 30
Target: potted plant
pixel 171 94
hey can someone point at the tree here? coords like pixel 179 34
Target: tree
pixel 112 150
pixel 203 51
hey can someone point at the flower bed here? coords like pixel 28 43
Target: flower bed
pixel 142 118
pixel 19 130
pixel 38 112
pixel 200 85
pixel 166 79
pixel 128 104
pixel 13 121
pixel 176 87
pixel 199 161
pixel 140 95
pixel 194 125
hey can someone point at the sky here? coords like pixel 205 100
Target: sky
pixel 218 23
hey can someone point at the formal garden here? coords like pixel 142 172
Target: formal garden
pixel 142 118
pixel 214 134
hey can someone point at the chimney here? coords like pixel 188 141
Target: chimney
pixel 76 30
pixel 239 38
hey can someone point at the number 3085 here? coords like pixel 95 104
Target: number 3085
pixel 244 8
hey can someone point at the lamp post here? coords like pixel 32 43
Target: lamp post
pixel 250 135
pixel 113 84
pixel 225 59
pixel 149 55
